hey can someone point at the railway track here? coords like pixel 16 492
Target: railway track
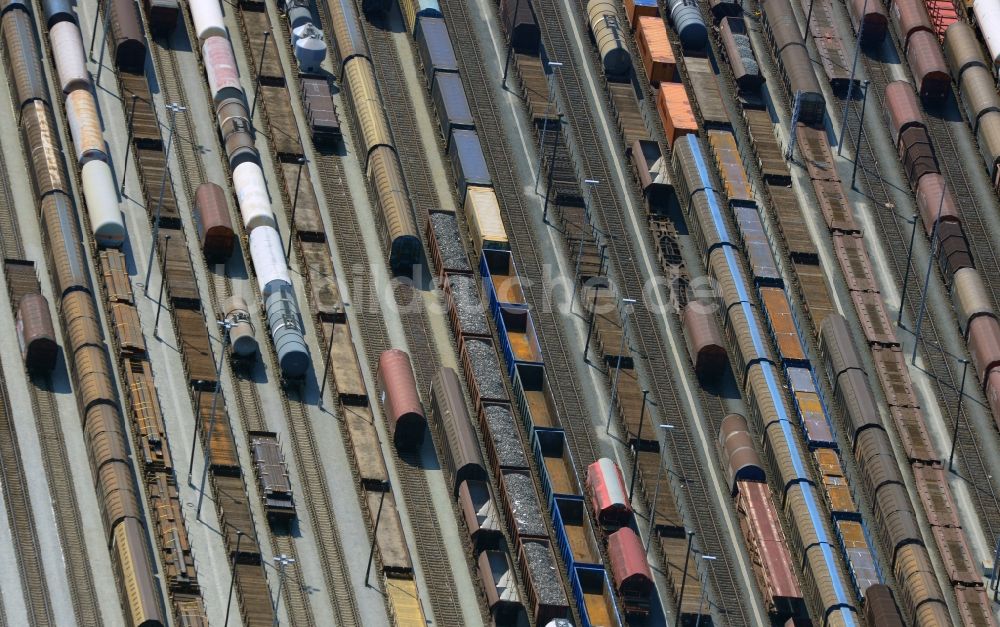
pixel 647 339
pixel 313 489
pixel 20 518
pixel 944 370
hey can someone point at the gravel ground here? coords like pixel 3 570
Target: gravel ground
pixel 471 314
pixel 449 242
pixel 486 370
pixel 506 441
pixel 524 503
pixel 544 575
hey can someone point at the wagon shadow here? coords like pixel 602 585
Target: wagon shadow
pixel 423 458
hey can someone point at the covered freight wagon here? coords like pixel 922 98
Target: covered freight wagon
pixel 608 496
pixel 397 390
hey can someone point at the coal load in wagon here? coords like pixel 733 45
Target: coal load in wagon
pixel 524 505
pixel 486 369
pixel 544 574
pixel 505 437
pixel 449 242
pixel 468 306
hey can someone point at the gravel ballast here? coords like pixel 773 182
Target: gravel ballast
pixel 544 575
pixel 449 242
pixel 520 494
pixel 506 441
pixel 468 305
pixel 486 370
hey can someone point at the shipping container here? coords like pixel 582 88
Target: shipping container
pixel 635 9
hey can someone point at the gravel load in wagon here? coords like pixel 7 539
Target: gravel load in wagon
pixel 506 440
pixel 449 242
pixel 486 369
pixel 524 505
pixel 544 574
pixel 468 306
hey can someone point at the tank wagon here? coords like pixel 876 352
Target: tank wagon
pixel 284 318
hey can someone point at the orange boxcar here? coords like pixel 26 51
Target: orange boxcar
pixel 675 111
pixel 654 48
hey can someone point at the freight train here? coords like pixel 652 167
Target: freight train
pixel 87 353
pixel 284 318
pixel 759 371
pixel 381 162
pixel 977 86
pixel 942 221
